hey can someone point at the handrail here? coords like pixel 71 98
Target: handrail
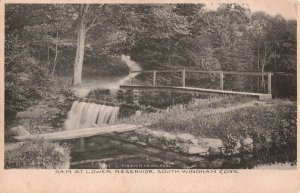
pixel 208 72
pixel 221 75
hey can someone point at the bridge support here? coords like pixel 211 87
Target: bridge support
pixel 269 83
pixel 82 144
pixel 183 78
pixel 130 77
pixel 221 80
pixel 154 78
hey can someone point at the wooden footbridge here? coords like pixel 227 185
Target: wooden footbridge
pixel 204 91
pixel 80 134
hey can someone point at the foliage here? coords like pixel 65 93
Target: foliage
pixel 68 97
pixel 230 38
pixel 163 99
pixel 38 154
pixel 23 88
pixel 266 125
pixel 99 94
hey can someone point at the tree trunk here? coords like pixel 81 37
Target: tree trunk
pixel 275 62
pixel 56 53
pixel 48 55
pixel 81 34
pixel 263 68
pixel 79 56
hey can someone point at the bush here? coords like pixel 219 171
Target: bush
pixel 99 94
pixel 24 83
pixel 38 154
pixel 163 99
pixel 267 125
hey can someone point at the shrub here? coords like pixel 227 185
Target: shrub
pixel 38 154
pixel 25 82
pixel 99 94
pixel 267 125
pixel 163 99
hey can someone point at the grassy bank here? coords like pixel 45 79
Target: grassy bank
pixel 267 125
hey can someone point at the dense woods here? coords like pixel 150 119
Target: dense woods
pixel 46 41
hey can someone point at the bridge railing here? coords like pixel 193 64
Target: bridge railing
pixel 220 73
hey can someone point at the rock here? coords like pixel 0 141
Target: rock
pixel 236 160
pixel 102 165
pixel 18 131
pixel 169 137
pixel 247 145
pixel 195 142
pixel 196 158
pixel 215 151
pixel 142 143
pixel 247 156
pixel 133 139
pixel 124 135
pixel 247 141
pixel 157 134
pixel 143 138
pixel 142 131
pixel 138 113
pixel 211 142
pixel 217 163
pixel 182 147
pixel 236 149
pixel 185 137
pixel 238 145
pixel 155 142
pixel 248 148
pixel 197 149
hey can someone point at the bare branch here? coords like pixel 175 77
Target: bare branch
pixel 93 24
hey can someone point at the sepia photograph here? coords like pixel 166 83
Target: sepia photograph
pixel 150 86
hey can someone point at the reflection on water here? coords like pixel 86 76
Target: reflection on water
pixel 105 152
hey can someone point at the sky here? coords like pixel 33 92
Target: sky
pixel 287 8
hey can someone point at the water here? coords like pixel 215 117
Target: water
pixel 85 115
pixel 111 83
pixel 133 66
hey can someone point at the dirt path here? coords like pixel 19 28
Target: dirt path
pixel 218 110
pixel 111 83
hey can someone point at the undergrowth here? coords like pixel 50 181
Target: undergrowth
pixel 267 125
pixel 38 154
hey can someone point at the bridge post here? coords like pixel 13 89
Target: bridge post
pixel 154 77
pixel 221 80
pixel 130 77
pixel 269 83
pixel 183 77
pixel 82 144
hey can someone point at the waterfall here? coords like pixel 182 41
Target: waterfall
pixel 84 115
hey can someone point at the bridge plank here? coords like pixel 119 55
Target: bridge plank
pixel 80 133
pixel 207 72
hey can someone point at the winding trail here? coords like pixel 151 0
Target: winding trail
pixel 111 83
pixel 220 110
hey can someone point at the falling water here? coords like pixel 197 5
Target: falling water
pixel 85 115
